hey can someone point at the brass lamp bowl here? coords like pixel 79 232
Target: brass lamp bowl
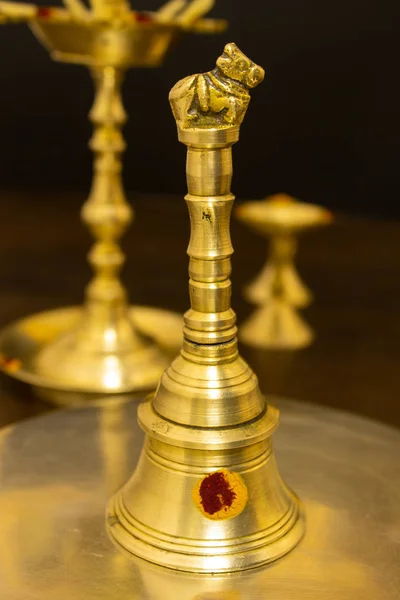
pixel 137 44
pixel 282 214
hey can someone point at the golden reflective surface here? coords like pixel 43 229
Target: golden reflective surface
pixel 57 472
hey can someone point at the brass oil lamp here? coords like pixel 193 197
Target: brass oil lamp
pixel 278 291
pixel 76 354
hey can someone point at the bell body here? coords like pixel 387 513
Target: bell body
pixel 161 513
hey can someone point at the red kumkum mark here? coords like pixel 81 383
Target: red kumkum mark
pixel 220 495
pixel 216 494
pixel 44 12
pixel 9 364
pixel 142 18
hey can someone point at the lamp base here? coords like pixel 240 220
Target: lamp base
pixel 45 351
pixel 276 326
pixel 294 290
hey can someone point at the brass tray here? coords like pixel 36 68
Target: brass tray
pixel 58 471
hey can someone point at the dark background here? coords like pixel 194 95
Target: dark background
pixel 324 126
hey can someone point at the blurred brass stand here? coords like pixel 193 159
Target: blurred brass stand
pixel 207 495
pixel 104 350
pixel 278 290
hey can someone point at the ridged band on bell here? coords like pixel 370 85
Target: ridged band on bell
pixel 206 495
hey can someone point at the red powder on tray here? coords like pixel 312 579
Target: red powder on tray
pixel 10 364
pixel 44 12
pixel 216 493
pixel 142 18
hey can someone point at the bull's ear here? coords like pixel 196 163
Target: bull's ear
pixel 255 76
